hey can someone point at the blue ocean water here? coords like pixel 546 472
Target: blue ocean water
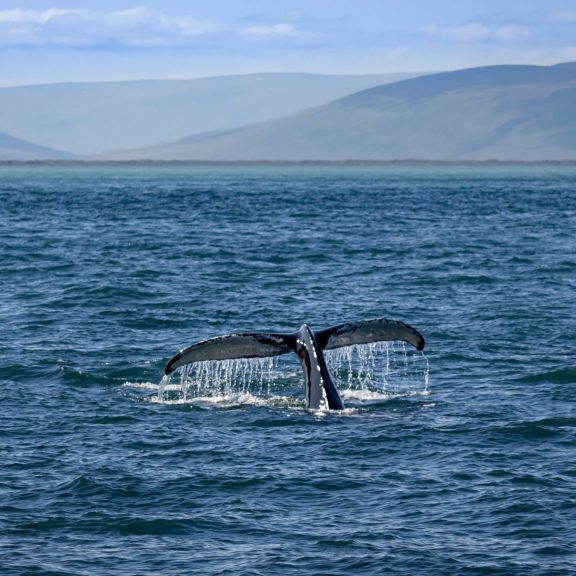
pixel 459 461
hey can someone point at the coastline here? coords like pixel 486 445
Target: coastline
pixel 399 162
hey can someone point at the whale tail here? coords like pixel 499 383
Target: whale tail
pixel 307 344
pixel 252 345
pixel 261 345
pixel 367 331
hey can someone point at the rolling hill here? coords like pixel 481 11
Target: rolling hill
pixel 89 118
pixel 16 150
pixel 523 113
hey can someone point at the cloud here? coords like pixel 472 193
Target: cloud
pixel 134 27
pixel 270 30
pixel 475 32
pixel 145 18
pixel 21 17
pixel 137 27
pixel 567 17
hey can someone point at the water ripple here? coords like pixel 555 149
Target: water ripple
pixel 457 462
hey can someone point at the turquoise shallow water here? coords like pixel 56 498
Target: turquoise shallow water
pixel 108 271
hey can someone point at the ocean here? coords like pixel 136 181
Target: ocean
pixel 460 459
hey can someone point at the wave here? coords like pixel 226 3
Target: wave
pixel 229 401
pixel 172 395
pixel 560 376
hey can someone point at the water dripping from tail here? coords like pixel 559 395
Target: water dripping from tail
pixel 390 369
pixel 269 380
pixel 378 370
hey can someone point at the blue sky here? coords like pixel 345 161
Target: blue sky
pixel 52 41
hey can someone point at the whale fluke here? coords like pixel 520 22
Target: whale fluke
pixel 307 344
pixel 367 331
pixel 232 346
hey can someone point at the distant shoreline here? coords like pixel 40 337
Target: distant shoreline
pixel 405 162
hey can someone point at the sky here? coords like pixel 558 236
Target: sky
pixel 94 40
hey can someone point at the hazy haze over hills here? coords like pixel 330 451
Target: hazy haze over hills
pixel 16 150
pixel 89 118
pixel 513 112
pixel 488 113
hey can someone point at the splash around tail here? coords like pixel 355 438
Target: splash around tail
pixel 307 344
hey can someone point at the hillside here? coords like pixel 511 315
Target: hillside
pixel 89 118
pixel 16 150
pixel 491 113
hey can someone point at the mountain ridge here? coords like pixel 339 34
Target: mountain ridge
pixel 17 150
pixel 508 113
pixel 93 117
